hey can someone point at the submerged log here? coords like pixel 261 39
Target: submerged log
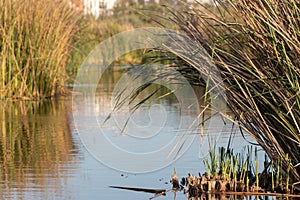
pixel 155 191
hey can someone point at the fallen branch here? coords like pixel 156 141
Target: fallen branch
pixel 155 191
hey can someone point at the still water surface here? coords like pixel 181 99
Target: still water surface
pixel 42 156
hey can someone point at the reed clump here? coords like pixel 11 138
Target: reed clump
pixel 256 47
pixel 229 172
pixel 36 38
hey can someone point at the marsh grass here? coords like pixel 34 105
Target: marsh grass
pixel 239 172
pixel 256 47
pixel 34 47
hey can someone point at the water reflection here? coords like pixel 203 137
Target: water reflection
pixel 228 197
pixel 154 134
pixel 41 156
pixel 232 197
pixel 36 149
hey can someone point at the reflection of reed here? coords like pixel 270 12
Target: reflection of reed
pixel 35 143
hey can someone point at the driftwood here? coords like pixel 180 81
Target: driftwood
pixel 154 191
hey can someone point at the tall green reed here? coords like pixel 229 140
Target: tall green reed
pixel 34 47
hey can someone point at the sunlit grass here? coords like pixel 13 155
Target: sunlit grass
pixel 34 47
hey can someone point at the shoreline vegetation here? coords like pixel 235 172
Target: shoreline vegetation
pixel 230 173
pixel 35 43
pixel 254 44
pixel 43 43
pixel 256 48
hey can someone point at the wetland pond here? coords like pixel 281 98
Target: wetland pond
pixel 42 155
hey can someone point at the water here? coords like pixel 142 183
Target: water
pixel 42 155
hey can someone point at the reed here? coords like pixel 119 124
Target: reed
pixel 211 164
pixel 272 177
pixel 287 184
pixel 230 172
pixel 256 47
pixel 256 170
pixel 36 38
pixel 278 172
